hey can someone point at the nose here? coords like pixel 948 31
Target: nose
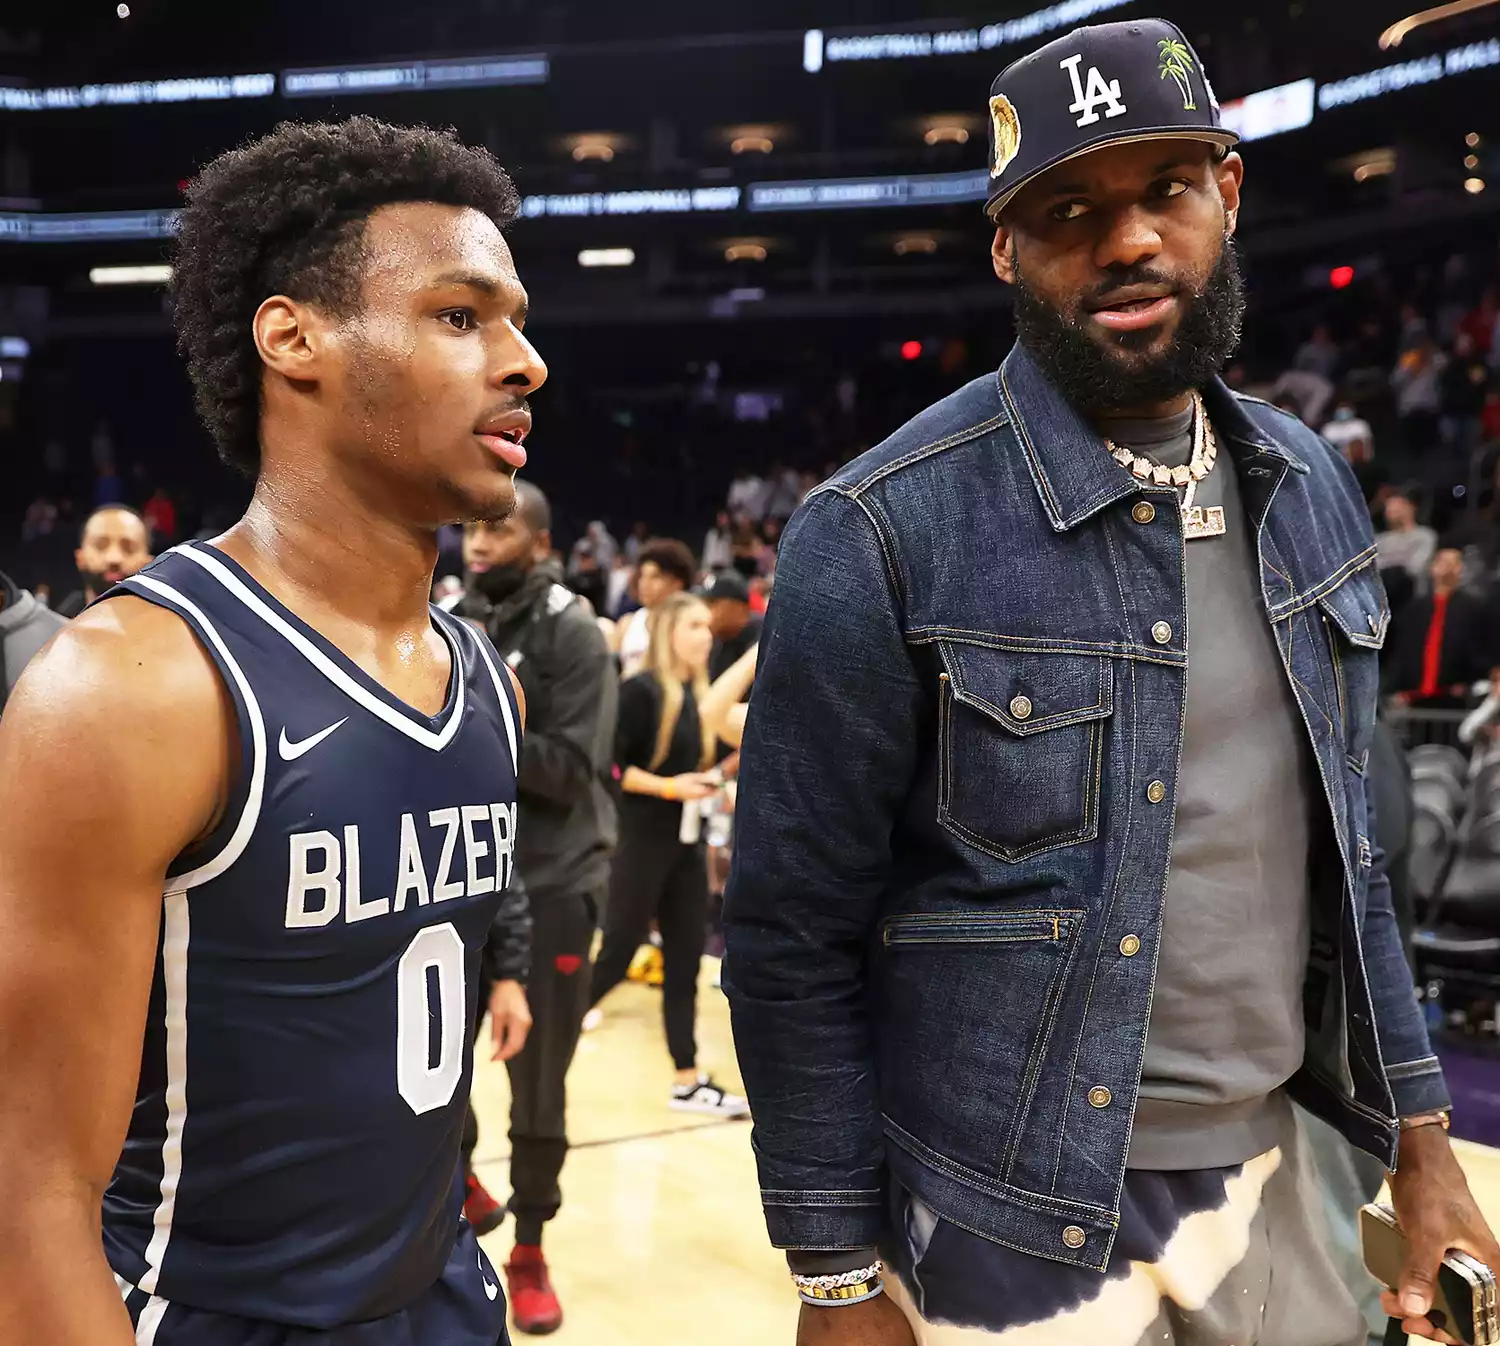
pixel 520 367
pixel 1129 238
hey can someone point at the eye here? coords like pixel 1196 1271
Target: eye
pixel 460 319
pixel 1170 187
pixel 1068 210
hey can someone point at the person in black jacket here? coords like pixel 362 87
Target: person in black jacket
pixel 564 843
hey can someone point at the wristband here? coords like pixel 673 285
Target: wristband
pixel 858 1295
pixel 1442 1117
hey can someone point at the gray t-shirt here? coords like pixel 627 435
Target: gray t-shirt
pixel 25 626
pixel 1226 1027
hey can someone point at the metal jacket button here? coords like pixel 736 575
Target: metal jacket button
pixel 1156 792
pixel 1161 633
pixel 1144 512
pixel 1021 707
pixel 1073 1236
pixel 1130 946
pixel 1100 1097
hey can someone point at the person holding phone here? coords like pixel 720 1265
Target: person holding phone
pixel 664 747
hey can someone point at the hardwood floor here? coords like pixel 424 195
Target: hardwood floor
pixel 661 1238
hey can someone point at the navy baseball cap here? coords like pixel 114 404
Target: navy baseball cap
pixel 1102 85
pixel 726 584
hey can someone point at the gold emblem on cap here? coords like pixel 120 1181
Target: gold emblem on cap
pixel 1007 132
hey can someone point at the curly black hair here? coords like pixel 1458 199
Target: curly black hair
pixel 285 214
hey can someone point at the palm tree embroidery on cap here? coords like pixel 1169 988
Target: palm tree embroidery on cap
pixel 1177 61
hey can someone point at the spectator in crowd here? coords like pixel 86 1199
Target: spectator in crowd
pixel 41 519
pixel 586 579
pixel 1478 323
pixel 747 547
pixel 1319 354
pixel 735 628
pixel 1445 641
pixel 747 496
pixel 1417 384
pixel 1351 435
pixel 563 854
pixel 1413 329
pixel 160 515
pixel 639 536
pixel 115 545
pixel 664 747
pixel 1465 381
pixel 25 626
pixel 1405 542
pixel 1304 393
pixel 617 588
pixel 666 569
pixel 603 542
pixel 785 492
pixel 718 544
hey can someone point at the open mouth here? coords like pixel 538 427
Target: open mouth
pixel 1134 313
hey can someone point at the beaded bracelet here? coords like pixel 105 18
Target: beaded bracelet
pixel 848 1287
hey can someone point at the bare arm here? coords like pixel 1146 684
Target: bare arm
pixel 729 689
pixel 115 754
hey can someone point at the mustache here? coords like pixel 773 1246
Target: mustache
pixel 1134 275
pixel 511 402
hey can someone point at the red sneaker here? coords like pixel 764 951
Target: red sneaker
pixel 481 1209
pixel 532 1299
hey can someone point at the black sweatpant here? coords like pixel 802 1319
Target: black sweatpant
pixel 658 876
pixel 557 992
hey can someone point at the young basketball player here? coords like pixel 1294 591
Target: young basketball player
pixel 257 807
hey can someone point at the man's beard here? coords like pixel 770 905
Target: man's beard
pixel 1086 370
pixel 500 582
pixel 96 582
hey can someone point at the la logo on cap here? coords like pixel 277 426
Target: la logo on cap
pixel 1098 94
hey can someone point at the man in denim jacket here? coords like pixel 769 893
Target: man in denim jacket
pixel 1043 909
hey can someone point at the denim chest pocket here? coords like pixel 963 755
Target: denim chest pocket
pixel 1356 616
pixel 1021 747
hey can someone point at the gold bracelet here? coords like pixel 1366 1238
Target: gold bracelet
pixel 1442 1117
pixel 833 1294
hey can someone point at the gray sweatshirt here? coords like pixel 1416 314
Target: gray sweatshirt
pixel 25 626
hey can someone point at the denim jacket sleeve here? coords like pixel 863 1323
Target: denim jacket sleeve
pixel 1414 1073
pixel 828 759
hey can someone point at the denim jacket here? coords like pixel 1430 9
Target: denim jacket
pixel 956 808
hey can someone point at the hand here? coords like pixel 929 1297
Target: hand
pixel 693 785
pixel 1437 1214
pixel 510 1019
pixel 876 1322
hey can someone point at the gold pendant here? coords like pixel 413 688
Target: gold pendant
pixel 1198 522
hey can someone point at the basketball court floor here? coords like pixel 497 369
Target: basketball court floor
pixel 661 1237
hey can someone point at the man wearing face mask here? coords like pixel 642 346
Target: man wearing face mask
pixel 563 848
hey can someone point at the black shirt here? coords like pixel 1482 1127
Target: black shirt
pixel 635 745
pixel 731 650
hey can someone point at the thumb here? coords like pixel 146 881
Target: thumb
pixel 499 1023
pixel 1418 1280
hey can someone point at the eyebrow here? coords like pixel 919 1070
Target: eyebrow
pixel 1082 188
pixel 488 286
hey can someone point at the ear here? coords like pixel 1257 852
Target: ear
pixel 1002 254
pixel 541 547
pixel 1230 174
pixel 78 558
pixel 289 337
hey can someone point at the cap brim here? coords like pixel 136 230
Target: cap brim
pixel 1209 135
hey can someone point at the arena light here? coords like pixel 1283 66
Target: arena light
pixel 607 257
pixel 946 133
pixel 130 275
pixel 923 245
pixel 911 350
pixel 745 250
pixel 1471 161
pixel 1473 186
pixel 1270 112
pixel 1472 140
pixel 1341 277
pixel 593 147
pixel 1398 32
pixel 753 144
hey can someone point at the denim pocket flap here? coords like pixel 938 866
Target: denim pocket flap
pixel 981 927
pixel 1360 609
pixel 1029 692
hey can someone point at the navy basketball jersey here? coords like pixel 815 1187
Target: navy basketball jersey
pixel 293 1154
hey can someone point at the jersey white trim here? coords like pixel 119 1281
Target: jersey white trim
pixel 174 965
pixel 250 815
pixel 150 1320
pixel 361 696
pixel 510 719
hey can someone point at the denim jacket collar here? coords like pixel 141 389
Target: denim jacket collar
pixel 1074 475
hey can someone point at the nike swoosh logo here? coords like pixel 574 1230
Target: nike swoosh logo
pixel 491 1290
pixel 290 751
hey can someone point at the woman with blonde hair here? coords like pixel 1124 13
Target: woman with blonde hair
pixel 664 747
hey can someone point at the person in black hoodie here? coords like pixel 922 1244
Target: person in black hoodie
pixel 25 626
pixel 564 844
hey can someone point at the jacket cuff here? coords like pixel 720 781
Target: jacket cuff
pixel 1418 1086
pixel 825 1221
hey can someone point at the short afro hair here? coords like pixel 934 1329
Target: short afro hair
pixel 671 557
pixel 285 214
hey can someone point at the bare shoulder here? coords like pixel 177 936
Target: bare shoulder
pixel 124 703
pixel 515 682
